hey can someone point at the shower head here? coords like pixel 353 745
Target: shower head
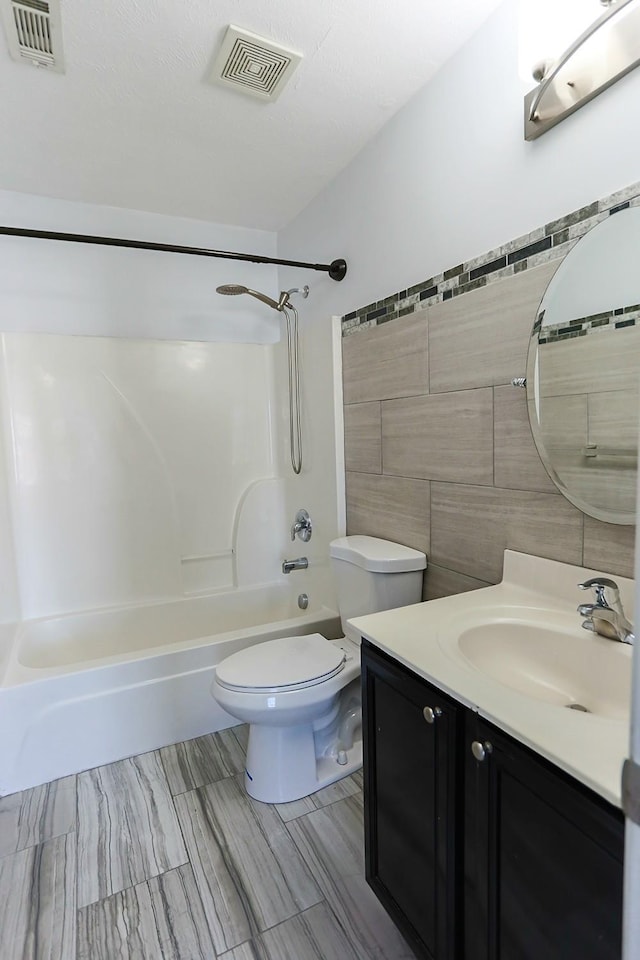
pixel 231 290
pixel 234 290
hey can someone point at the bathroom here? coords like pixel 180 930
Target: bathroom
pixel 145 420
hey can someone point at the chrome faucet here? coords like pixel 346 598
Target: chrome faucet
pixel 300 564
pixel 606 616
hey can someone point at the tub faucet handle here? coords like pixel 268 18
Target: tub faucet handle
pixel 302 527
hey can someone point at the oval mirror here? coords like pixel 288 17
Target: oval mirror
pixel 583 368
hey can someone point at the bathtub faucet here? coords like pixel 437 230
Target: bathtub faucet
pixel 300 564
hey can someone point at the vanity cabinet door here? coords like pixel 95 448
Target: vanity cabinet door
pixel 543 858
pixel 411 753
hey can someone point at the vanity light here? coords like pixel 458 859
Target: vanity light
pixel 607 50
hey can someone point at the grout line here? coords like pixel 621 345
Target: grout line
pixel 493 433
pixel 77 832
pixel 428 526
pixel 482 486
pixel 487 583
pixel 317 807
pixel 433 393
pixel 260 933
pixel 132 886
pixel 39 843
pixel 381 472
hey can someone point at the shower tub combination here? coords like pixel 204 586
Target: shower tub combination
pixel 82 690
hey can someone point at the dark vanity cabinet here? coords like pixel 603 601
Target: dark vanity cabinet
pixel 543 858
pixel 411 741
pixel 477 847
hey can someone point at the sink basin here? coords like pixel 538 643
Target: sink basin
pixel 561 665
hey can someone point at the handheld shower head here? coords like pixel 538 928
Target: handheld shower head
pixel 284 306
pixel 231 290
pixel 235 289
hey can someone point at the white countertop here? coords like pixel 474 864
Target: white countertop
pixel 590 747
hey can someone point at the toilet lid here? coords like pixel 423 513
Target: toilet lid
pixel 289 663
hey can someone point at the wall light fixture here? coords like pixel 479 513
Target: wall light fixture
pixel 607 50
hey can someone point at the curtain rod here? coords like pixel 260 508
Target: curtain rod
pixel 337 269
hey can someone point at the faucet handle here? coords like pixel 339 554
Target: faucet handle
pixel 302 526
pixel 600 585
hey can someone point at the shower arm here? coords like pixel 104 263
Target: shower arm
pixel 337 269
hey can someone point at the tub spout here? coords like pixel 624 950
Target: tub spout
pixel 300 564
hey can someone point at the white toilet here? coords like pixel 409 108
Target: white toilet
pixel 301 695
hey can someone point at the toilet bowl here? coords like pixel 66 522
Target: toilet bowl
pixel 293 745
pixel 301 695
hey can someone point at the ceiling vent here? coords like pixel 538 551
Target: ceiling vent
pixel 253 65
pixel 34 32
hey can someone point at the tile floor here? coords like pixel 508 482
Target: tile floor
pixel 164 857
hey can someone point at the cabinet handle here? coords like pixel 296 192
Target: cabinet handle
pixel 481 750
pixel 431 714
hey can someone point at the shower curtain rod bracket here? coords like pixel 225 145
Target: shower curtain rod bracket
pixel 337 269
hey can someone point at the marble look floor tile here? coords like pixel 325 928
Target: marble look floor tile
pixel 241 733
pixel 315 934
pixel 36 815
pixel 332 843
pixel 127 827
pixel 246 951
pixel 346 787
pixel 161 919
pixel 204 760
pixel 251 950
pixel 358 778
pixel 37 901
pixel 248 870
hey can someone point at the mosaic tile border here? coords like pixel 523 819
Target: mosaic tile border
pixel 610 320
pixel 542 245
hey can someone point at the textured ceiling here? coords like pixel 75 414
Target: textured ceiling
pixel 133 123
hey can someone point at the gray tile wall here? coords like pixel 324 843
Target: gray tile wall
pixel 439 453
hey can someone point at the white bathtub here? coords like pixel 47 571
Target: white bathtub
pixel 82 690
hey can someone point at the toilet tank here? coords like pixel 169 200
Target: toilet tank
pixel 372 575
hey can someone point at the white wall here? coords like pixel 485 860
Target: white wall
pixel 451 177
pixel 55 287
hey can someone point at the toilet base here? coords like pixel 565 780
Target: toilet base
pixel 282 765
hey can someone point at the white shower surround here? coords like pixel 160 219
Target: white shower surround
pixel 127 461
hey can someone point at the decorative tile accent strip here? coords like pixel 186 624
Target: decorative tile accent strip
pixel 610 320
pixel 551 242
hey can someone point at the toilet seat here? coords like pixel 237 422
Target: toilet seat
pixel 288 663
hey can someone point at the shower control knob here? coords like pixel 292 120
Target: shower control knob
pixel 481 750
pixel 431 714
pixel 302 527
